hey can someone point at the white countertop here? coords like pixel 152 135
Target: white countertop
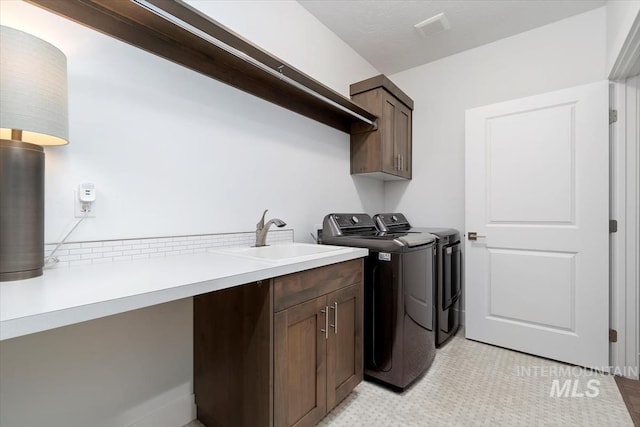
pixel 69 295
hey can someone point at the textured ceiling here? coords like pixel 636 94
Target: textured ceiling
pixel 382 30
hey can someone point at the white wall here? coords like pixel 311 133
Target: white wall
pixel 106 372
pixel 563 54
pixel 293 35
pixel 171 152
pixel 174 152
pixel 620 17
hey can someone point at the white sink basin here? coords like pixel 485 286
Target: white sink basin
pixel 280 252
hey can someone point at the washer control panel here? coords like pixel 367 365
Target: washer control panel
pixel 338 223
pixel 392 221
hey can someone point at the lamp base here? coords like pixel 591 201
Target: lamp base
pixel 20 275
pixel 21 210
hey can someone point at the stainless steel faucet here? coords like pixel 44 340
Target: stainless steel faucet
pixel 262 229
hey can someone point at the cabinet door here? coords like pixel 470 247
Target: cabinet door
pixel 300 347
pixel 388 123
pixel 403 140
pixel 344 352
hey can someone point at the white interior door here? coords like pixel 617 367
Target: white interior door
pixel 537 195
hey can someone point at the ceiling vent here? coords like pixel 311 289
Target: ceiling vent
pixel 433 25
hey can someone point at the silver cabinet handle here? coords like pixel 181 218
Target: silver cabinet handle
pixel 472 235
pixel 401 162
pixel 326 322
pixel 335 317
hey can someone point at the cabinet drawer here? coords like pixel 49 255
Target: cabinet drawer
pixel 299 287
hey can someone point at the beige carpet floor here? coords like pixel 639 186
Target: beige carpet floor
pixel 474 384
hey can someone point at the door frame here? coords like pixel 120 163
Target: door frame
pixel 625 243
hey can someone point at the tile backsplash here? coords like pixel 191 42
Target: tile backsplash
pixel 104 251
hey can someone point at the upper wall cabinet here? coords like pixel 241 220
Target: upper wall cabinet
pixel 383 153
pixel 180 33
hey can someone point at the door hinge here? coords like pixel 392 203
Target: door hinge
pixel 613 116
pixel 613 335
pixel 613 226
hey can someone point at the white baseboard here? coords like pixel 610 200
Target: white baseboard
pixel 176 413
pixel 172 408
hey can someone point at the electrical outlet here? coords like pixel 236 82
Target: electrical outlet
pixel 78 207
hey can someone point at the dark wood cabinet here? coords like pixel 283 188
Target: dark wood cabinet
pixel 318 343
pixel 279 352
pixel 300 395
pixel 384 152
pixel 344 345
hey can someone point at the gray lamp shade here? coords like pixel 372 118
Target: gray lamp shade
pixel 33 89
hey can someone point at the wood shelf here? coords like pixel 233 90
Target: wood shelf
pixel 140 27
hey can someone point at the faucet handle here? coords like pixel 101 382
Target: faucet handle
pixel 260 224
